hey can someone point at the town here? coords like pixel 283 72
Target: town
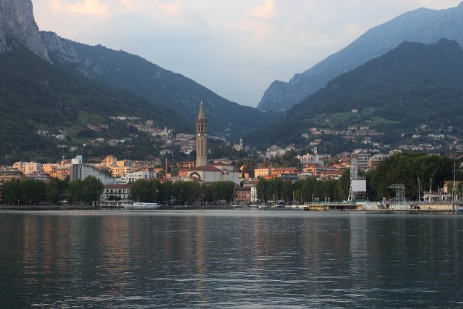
pixel 240 182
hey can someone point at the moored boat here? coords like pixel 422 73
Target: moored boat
pixel 140 205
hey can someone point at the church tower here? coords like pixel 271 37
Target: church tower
pixel 201 137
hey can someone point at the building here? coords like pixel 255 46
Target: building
pixel 284 170
pixel 203 172
pixel 262 172
pixel 201 137
pixel 132 177
pixel 29 167
pixel 61 170
pixel 118 168
pixel 374 161
pixel 116 192
pixel 215 173
pixel 362 159
pixel 82 171
pixel 243 196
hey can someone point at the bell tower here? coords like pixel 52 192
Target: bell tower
pixel 201 137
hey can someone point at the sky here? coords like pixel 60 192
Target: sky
pixel 236 48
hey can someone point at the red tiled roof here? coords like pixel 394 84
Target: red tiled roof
pixel 207 168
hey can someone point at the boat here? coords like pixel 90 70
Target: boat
pixel 140 205
pixel 263 206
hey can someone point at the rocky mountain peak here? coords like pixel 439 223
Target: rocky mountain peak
pixel 18 27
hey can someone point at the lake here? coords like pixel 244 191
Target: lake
pixel 230 259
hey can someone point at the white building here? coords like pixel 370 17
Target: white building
pixel 215 173
pixel 116 192
pixel 134 176
pixel 82 171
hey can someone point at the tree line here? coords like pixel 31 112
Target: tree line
pixel 89 190
pixel 182 192
pixel 299 191
pixel 36 192
pixel 417 172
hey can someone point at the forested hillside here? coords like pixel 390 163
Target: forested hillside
pixel 38 96
pixel 413 85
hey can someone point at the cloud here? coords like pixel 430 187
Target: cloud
pixel 248 42
pixel 85 7
pixel 263 11
pixel 171 8
pixel 127 5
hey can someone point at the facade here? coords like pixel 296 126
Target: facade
pixel 116 192
pixel 262 172
pixel 284 170
pixel 201 138
pixel 40 177
pixel 61 170
pixel 214 174
pixel 374 161
pixel 272 173
pixel 82 171
pixel 29 167
pixel 118 168
pixel 362 159
pixel 243 195
pixel 132 177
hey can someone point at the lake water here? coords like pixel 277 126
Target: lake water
pixel 230 259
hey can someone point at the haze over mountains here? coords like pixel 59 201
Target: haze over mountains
pixel 422 25
pixel 51 84
pixel 132 73
pixel 414 88
pixel 156 85
pixel 46 110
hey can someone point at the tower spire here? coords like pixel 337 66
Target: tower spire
pixel 201 114
pixel 201 137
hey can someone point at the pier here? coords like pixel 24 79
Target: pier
pixel 333 206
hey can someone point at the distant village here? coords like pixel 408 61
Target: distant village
pixel 117 174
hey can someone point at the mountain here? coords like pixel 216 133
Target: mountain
pixel 59 97
pixel 422 25
pixel 412 86
pixel 48 111
pixel 157 85
pixel 18 28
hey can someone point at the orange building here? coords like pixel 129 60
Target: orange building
pixel 243 195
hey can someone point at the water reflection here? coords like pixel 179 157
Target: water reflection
pixel 247 259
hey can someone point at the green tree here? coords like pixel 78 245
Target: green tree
pixel 75 191
pixel 56 191
pixel 406 169
pixel 186 191
pixel 146 191
pixel 92 188
pixel 11 192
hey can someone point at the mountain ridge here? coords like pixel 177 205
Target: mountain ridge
pixel 421 25
pixel 160 87
pixel 412 85
pixel 47 112
pixel 157 85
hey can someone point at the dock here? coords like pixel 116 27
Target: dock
pixel 334 206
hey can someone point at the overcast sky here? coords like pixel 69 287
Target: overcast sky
pixel 236 48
